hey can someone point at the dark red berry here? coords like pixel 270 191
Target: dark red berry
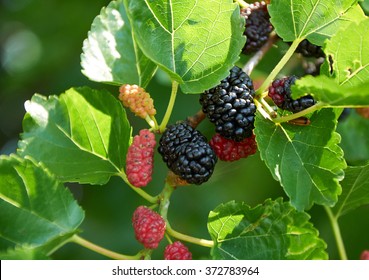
pixel 280 92
pixel 177 251
pixel 140 158
pixel 149 227
pixel 229 150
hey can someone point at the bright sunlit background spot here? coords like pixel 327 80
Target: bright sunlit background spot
pixel 21 52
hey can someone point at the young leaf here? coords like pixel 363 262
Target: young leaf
pixel 110 53
pixel 349 51
pixel 196 42
pixel 330 93
pixel 35 209
pixel 272 231
pixel 355 190
pixel 355 141
pixel 346 80
pixel 315 20
pixel 81 136
pixel 306 160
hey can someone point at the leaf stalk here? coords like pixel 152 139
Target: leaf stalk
pixel 337 233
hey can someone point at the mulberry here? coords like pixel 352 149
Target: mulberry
pixel 140 158
pixel 230 105
pixel 280 92
pixel 187 153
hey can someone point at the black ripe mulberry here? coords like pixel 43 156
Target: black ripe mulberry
pixel 280 92
pixel 187 154
pixel 308 49
pixel 230 105
pixel 258 26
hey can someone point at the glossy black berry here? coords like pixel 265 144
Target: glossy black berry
pixel 187 153
pixel 280 92
pixel 257 26
pixel 230 105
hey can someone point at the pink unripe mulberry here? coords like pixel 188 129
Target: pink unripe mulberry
pixel 229 150
pixel 149 227
pixel 177 251
pixel 140 159
pixel 364 255
pixel 137 100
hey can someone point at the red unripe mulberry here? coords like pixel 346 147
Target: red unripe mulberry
pixel 140 159
pixel 149 227
pixel 230 150
pixel 177 251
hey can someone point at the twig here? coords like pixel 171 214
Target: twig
pixel 257 57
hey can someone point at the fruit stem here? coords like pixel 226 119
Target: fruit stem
pixel 165 200
pixel 191 239
pixel 267 107
pixel 262 89
pixel 291 117
pixel 261 109
pixel 242 3
pixel 152 122
pixel 258 56
pixel 168 113
pixel 196 119
pixel 102 251
pixel 139 191
pixel 337 233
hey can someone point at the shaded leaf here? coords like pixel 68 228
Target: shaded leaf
pixel 110 53
pixel 81 136
pixel 272 231
pixel 316 20
pixel 36 211
pixel 23 253
pixel 355 141
pixel 196 42
pixel 306 160
pixel 355 190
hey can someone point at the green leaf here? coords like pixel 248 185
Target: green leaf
pixel 306 160
pixel 349 51
pixel 23 253
pixel 272 231
pixel 196 42
pixel 35 209
pixel 330 93
pixel 355 140
pixel 315 20
pixel 346 80
pixel 355 190
pixel 81 136
pixel 110 53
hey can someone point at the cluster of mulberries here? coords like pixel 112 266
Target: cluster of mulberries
pixel 187 154
pixel 280 93
pixel 137 100
pixel 140 159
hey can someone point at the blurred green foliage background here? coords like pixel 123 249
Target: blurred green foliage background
pixel 41 43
